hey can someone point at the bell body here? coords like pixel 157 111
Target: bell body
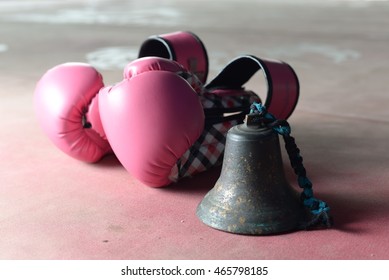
pixel 252 195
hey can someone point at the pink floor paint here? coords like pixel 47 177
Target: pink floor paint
pixel 55 207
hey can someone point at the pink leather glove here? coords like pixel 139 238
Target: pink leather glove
pixel 67 110
pixel 152 117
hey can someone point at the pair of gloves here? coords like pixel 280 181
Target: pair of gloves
pixel 163 121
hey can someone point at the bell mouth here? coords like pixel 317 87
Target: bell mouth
pixel 249 216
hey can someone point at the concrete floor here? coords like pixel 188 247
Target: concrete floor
pixel 54 207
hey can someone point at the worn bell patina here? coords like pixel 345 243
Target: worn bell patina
pixel 252 195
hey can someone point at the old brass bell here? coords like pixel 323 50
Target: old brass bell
pixel 252 195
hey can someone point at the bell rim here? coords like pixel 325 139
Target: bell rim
pixel 258 229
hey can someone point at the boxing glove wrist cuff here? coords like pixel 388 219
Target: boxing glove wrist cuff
pixel 182 46
pixel 281 81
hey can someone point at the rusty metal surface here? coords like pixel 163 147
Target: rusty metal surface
pixel 252 195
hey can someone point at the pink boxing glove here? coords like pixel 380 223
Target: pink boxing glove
pixel 152 117
pixel 67 110
pixel 138 131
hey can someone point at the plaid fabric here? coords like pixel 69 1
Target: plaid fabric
pixel 208 150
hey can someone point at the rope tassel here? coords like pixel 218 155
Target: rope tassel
pixel 319 210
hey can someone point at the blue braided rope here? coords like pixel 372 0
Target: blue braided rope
pixel 318 208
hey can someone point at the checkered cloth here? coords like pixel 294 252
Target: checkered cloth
pixel 223 109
